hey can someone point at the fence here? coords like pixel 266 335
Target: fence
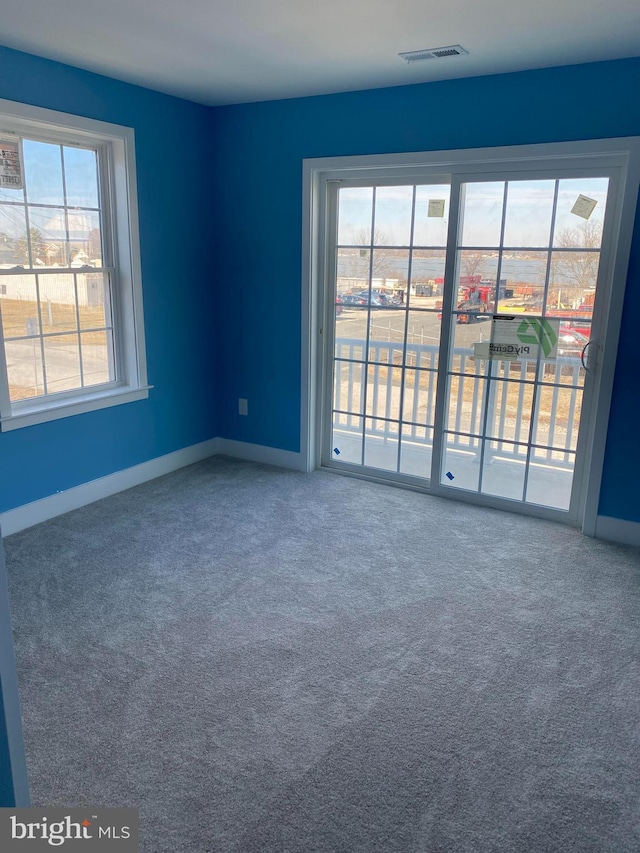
pixel 500 403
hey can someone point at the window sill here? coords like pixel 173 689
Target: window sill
pixel 51 411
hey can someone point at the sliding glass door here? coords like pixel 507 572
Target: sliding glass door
pixel 460 312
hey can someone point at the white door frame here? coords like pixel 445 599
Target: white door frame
pixel 622 154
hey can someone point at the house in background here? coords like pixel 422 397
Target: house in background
pixel 221 254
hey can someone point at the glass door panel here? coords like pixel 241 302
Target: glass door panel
pixel 389 276
pixel 525 284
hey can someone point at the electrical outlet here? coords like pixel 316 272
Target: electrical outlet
pixel 243 406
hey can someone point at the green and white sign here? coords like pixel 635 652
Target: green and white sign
pixel 517 338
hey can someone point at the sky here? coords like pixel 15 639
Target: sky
pixel 529 212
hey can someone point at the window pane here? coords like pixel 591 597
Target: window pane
pixel 482 214
pixel 503 469
pixel 57 303
pixel 467 399
pixel 558 417
pixel 389 271
pixel 550 484
pixel 97 360
pixel 43 172
pixel 383 392
pixel 348 388
pixel 522 282
pixel 432 215
pixel 353 270
pixel 423 339
pixel 460 458
pixel 427 277
pixel 509 410
pixel 393 216
pixel 571 228
pixel 465 337
pixel 84 238
pixel 13 236
pixel 381 444
pixel 574 276
pixel 354 216
pixel 49 244
pixel 94 306
pixel 387 325
pixel 347 438
pixel 418 404
pixel 62 363
pixel 24 369
pixel 81 177
pixel 529 211
pixel 19 306
pixel 351 332
pixel 415 451
pixel 473 266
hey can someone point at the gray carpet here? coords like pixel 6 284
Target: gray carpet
pixel 268 662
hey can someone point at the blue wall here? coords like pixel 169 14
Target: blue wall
pixel 178 287
pixel 259 150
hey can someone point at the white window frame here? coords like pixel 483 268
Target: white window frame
pixel 118 189
pixel 622 153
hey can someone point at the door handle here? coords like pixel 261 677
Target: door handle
pixel 583 353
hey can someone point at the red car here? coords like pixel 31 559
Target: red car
pixel 571 342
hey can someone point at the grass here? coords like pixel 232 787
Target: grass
pixel 55 316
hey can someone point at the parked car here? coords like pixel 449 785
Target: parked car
pixel 363 298
pixel 386 300
pixel 571 342
pixel 374 298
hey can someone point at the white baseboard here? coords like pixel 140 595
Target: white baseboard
pixel 33 513
pixel 14 520
pixel 261 453
pixel 618 530
pixel 21 517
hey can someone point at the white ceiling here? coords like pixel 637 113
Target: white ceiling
pixel 235 51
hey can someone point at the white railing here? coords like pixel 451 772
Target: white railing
pixel 474 409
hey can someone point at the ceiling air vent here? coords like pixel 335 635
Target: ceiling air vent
pixel 434 53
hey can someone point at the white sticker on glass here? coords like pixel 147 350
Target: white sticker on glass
pixel 10 165
pixel 584 206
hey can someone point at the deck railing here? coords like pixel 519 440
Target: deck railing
pixel 476 407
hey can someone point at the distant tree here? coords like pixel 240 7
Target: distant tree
pixel 472 263
pixel 575 268
pixel 37 246
pixel 382 265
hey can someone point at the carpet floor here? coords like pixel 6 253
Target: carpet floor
pixel 265 661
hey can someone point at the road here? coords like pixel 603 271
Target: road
pixel 24 366
pixel 388 324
